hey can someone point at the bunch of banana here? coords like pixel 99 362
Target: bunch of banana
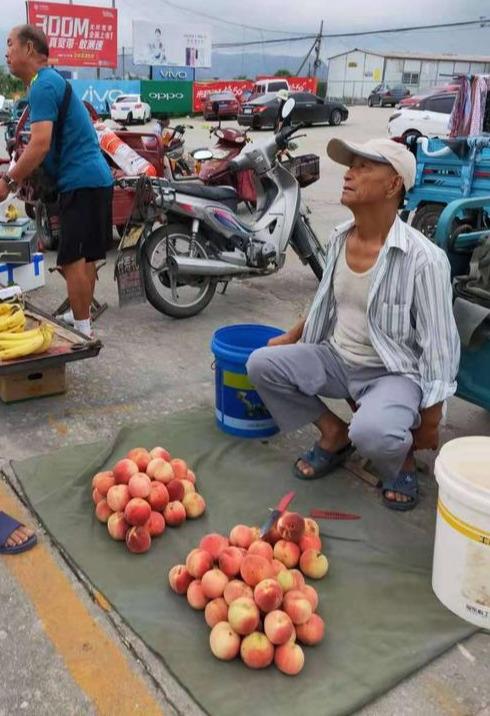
pixel 18 345
pixel 12 318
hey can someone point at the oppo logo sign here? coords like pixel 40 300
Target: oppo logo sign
pixel 167 96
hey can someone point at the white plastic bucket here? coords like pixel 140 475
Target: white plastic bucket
pixel 461 568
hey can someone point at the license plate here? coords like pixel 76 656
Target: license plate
pixel 125 109
pixel 247 110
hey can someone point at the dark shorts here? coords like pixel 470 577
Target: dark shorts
pixel 86 225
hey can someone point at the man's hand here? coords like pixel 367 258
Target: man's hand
pixel 426 436
pixel 4 190
pixel 290 337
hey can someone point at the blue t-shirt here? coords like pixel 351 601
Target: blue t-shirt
pixel 81 163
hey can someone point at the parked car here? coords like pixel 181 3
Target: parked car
pixel 262 111
pixel 429 117
pixel 266 86
pixel 228 106
pixel 384 95
pixel 129 108
pixel 414 99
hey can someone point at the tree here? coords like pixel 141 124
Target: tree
pixel 10 85
pixel 283 73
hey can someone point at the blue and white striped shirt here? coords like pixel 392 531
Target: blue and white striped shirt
pixel 410 316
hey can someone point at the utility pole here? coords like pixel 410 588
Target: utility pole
pixel 318 44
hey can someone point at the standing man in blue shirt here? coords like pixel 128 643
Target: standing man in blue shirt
pixel 75 162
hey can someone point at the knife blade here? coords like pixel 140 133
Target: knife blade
pixel 333 515
pixel 277 512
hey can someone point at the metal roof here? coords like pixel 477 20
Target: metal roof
pixel 418 56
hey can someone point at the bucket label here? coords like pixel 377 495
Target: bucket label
pixel 473 533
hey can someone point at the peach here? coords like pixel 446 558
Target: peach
pixel 312 631
pixel 179 467
pixel 160 471
pixel 179 578
pixel 214 543
pixel 291 526
pixel 255 568
pixel 97 496
pixel 139 485
pixel 286 580
pixel 311 527
pixel 313 564
pixel 137 512
pixel 138 540
pixel 297 606
pixel 124 470
pixel 278 567
pixel 159 452
pixel 287 552
pixel 117 526
pixel 103 511
pixel 188 486
pixel 243 615
pixel 278 627
pixel 118 497
pixel 310 541
pixel 272 535
pixel 174 514
pixel 191 476
pixel 198 562
pixel 299 580
pixel 195 595
pixel 261 547
pixel 214 582
pixel 312 596
pixel 103 481
pixel 268 595
pixel 156 524
pixel 158 497
pixel 241 536
pixel 195 505
pixel 176 490
pixel 230 560
pixel 141 457
pixel 289 658
pixel 224 642
pixel 236 589
pixel 216 611
pixel 256 651
pixel 255 533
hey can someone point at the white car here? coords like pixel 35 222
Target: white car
pixel 129 108
pixel 429 117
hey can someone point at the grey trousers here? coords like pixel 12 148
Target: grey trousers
pixel 289 380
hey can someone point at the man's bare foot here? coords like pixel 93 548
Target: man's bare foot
pixel 408 466
pixel 19 536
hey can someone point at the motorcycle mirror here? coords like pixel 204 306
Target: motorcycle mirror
pixel 202 155
pixel 287 108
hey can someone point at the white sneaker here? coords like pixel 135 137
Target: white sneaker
pixel 67 317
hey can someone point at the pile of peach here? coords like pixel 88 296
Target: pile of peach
pixel 143 493
pixel 254 600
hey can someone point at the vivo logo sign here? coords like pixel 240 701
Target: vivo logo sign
pixel 101 93
pixel 168 96
pixel 94 97
pixel 171 75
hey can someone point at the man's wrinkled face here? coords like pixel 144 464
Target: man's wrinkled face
pixel 368 182
pixel 17 54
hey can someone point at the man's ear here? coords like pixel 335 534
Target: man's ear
pixel 395 187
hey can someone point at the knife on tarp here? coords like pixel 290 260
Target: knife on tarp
pixel 282 505
pixel 333 515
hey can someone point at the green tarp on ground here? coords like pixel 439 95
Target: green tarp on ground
pixel 383 621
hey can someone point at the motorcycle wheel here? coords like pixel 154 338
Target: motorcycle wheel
pixel 174 298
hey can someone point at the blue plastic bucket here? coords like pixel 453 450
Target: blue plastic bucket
pixel 239 409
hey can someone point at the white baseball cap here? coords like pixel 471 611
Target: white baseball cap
pixel 385 151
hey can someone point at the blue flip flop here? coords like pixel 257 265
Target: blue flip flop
pixel 405 483
pixel 7 526
pixel 322 461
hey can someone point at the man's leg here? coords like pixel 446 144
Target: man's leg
pixel 79 287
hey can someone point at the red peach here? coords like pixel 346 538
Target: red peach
pixel 291 526
pixel 224 642
pixel 213 583
pixel 176 490
pixel 195 595
pixel 278 567
pixel 255 568
pixel 230 561
pixel 103 511
pixel 124 470
pixel 255 533
pixel 118 497
pixel 311 527
pixel 139 485
pixel 179 578
pixel 138 540
pixel 156 524
pixel 272 535
pixel 103 481
pixel 256 651
pixel 287 552
pixel 236 589
pixel 137 512
pixel 310 541
pixel 141 457
pixel 312 631
pixel 191 476
pixel 198 562
pixel 297 606
pixel 158 497
pixel 299 580
pixel 286 580
pixel 179 467
pixel 97 496
pixel 278 627
pixel 243 615
pixel 160 471
pixel 241 536
pixel 289 658
pixel 188 486
pixel 314 564
pixel 159 452
pixel 174 514
pixel 268 595
pixel 312 596
pixel 214 543
pixel 216 611
pixel 261 547
pixel 195 505
pixel 117 526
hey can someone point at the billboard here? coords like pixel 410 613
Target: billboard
pixel 78 35
pixel 297 84
pixel 170 43
pixel 102 93
pixel 167 97
pixel 202 90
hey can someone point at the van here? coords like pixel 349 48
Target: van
pixel 273 84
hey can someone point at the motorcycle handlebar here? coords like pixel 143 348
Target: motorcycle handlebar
pixel 283 137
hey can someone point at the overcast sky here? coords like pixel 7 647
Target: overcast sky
pixel 305 16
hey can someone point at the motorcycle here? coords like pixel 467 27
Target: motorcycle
pixel 205 242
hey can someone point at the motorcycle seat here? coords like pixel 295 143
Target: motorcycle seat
pixel 214 193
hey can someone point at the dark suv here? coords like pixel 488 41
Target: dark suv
pixel 384 95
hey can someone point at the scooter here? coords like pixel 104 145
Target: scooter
pixel 205 242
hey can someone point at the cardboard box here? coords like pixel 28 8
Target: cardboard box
pixel 26 276
pixel 32 384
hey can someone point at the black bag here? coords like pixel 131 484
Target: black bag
pixel 43 185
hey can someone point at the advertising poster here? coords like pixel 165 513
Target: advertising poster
pixel 170 43
pixel 102 93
